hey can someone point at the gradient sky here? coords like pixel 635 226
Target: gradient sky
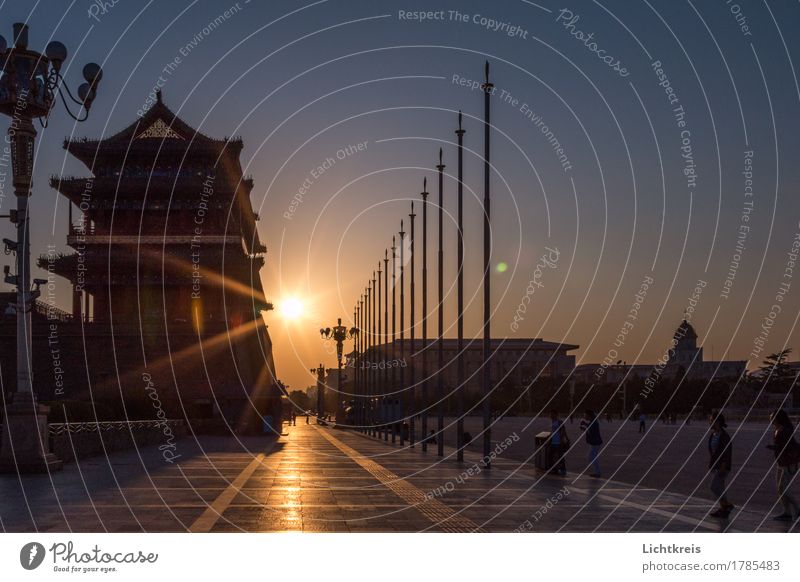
pixel 301 81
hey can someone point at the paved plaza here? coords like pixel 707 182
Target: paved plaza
pixel 322 479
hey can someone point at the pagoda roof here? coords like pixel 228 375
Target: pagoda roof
pixel 158 127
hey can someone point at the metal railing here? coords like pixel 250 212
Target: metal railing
pixel 56 429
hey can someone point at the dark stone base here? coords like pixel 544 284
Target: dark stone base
pixel 25 439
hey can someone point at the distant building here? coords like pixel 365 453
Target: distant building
pixel 683 357
pixel 516 360
pixel 311 393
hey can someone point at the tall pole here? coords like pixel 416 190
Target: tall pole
pixel 339 349
pixel 440 341
pixel 402 336
pixel 356 353
pixel 488 88
pixel 425 395
pixel 386 339
pixel 412 352
pixel 320 372
pixel 378 381
pixel 362 339
pixel 365 419
pixel 460 292
pixel 359 408
pixel 373 368
pixel 394 350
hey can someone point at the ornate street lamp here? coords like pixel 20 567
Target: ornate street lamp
pixel 339 334
pixel 320 372
pixel 29 84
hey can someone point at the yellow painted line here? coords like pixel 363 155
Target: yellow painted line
pixel 436 511
pixel 213 512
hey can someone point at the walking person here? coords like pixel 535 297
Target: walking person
pixel 787 456
pixel 720 450
pixel 642 422
pixel 559 443
pixel 591 429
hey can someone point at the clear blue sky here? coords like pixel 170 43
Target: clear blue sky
pixel 300 82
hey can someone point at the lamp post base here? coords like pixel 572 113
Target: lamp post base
pixel 26 444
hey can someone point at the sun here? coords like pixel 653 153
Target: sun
pixel 291 308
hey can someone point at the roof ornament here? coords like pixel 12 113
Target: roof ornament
pixel 160 130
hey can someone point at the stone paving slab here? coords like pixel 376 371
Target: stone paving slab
pixel 319 479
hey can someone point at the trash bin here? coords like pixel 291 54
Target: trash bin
pixel 543 460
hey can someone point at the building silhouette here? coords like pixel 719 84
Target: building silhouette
pixel 164 283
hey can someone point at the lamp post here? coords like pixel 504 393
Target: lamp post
pixel 488 89
pixel 402 335
pixel 440 343
pixel 412 352
pixel 460 292
pixel 28 87
pixel 320 372
pixel 339 334
pixel 425 396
